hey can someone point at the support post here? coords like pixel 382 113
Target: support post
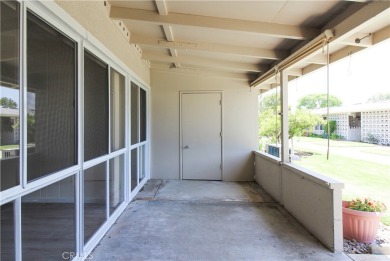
pixel 285 155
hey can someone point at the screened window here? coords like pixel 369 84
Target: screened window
pixel 7 232
pixel 51 99
pixel 95 107
pixel 9 95
pixel 134 168
pixel 48 221
pixel 94 199
pixel 117 176
pixel 117 89
pixel 134 113
pixel 142 115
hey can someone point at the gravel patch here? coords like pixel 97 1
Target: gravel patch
pixel 354 247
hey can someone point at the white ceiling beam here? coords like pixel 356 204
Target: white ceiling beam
pixel 317 59
pixel 381 35
pixel 202 72
pixel 295 72
pixel 359 39
pixel 211 47
pixel 265 87
pixel 253 27
pixel 169 35
pixel 356 22
pixel 163 10
pixel 352 24
pixel 203 62
pixel 161 7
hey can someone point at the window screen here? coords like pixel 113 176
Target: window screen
pixel 95 107
pixel 134 113
pixel 51 99
pixel 9 95
pixel 143 115
pixel 117 96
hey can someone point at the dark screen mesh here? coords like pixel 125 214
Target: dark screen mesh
pixel 9 95
pixel 134 113
pixel 51 99
pixel 142 115
pixel 95 107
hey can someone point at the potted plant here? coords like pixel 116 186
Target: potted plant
pixel 361 219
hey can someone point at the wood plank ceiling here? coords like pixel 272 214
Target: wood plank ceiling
pixel 233 39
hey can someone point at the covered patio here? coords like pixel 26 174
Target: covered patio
pixel 143 116
pixel 208 220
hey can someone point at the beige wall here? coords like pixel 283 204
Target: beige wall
pixel 240 130
pixel 313 199
pixel 92 15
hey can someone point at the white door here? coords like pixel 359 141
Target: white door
pixel 201 145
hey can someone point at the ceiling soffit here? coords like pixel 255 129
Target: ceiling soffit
pixel 239 37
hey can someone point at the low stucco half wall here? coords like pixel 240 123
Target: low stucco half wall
pixel 313 199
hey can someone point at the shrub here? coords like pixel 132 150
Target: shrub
pixel 372 139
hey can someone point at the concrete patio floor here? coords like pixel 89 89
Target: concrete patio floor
pixel 208 220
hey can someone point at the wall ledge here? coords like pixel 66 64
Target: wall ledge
pixel 305 173
pixel 314 176
pixel 267 156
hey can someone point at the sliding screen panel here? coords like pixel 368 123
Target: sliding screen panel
pixel 51 99
pixel 134 168
pixel 142 115
pixel 9 95
pixel 94 199
pixel 142 163
pixel 134 113
pixel 7 246
pixel 117 176
pixel 117 96
pixel 95 107
pixel 48 221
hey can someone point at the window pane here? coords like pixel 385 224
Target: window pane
pixel 94 199
pixel 134 113
pixel 117 110
pixel 51 99
pixel 95 107
pixel 48 221
pixel 270 122
pixel 117 172
pixel 7 232
pixel 143 115
pixel 9 95
pixel 142 161
pixel 134 169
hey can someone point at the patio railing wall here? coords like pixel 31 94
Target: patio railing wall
pixel 313 199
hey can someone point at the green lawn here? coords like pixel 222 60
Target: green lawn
pixel 361 178
pixel 7 147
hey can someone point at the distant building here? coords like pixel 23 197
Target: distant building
pixel 9 134
pixel 360 122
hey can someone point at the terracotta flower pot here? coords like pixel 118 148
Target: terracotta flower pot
pixel 360 225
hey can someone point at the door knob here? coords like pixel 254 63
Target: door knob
pixel 186 147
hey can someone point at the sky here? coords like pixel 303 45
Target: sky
pixel 353 79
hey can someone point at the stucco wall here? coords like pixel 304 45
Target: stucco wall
pixel 240 130
pixel 92 15
pixel 313 199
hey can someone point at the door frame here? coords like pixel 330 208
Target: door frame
pixel 181 128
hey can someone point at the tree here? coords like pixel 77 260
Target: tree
pixel 270 125
pixel 379 97
pixel 8 103
pixel 316 101
pixel 271 101
pixel 270 120
pixel 300 121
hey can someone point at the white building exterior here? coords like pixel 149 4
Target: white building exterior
pixel 369 122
